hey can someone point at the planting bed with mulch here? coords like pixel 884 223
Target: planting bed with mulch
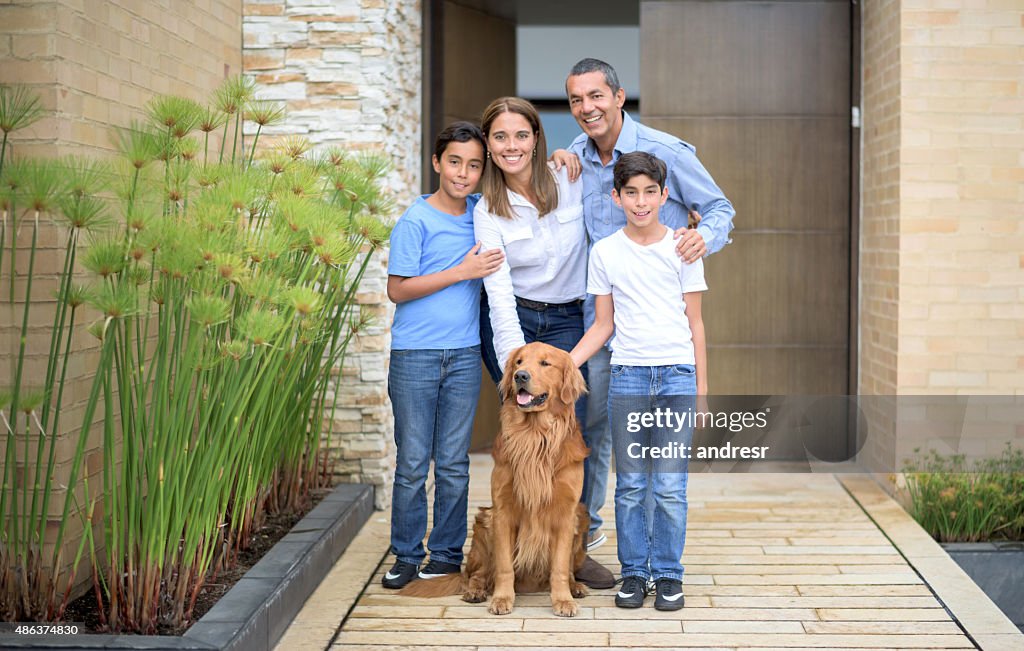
pixel 83 610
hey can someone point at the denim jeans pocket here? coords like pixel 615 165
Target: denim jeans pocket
pixel 684 369
pixel 616 370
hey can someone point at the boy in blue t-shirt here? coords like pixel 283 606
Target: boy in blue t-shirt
pixel 434 277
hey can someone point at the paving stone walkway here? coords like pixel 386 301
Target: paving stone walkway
pixel 773 561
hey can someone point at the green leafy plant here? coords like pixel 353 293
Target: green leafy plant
pixel 957 501
pixel 19 108
pixel 223 291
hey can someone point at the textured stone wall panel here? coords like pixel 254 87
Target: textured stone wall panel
pixel 348 72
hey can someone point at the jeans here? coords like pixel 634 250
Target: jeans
pixel 597 435
pixel 651 550
pixel 433 396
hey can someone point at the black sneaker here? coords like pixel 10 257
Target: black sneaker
pixel 668 594
pixel 632 592
pixel 399 575
pixel 435 569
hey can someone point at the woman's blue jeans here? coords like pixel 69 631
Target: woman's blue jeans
pixel 646 549
pixel 433 396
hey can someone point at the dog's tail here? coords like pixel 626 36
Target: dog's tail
pixel 442 586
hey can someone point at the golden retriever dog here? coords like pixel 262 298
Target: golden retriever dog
pixel 532 538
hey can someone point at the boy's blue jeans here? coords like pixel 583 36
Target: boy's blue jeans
pixel 433 396
pixel 650 550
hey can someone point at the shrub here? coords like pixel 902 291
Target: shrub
pixel 223 288
pixel 957 501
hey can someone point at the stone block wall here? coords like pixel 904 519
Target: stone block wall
pixel 349 72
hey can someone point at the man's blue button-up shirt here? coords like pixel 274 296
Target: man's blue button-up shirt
pixel 689 185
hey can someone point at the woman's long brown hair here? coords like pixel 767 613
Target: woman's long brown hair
pixel 495 190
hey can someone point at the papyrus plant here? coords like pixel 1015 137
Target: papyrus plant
pixel 223 296
pixel 35 195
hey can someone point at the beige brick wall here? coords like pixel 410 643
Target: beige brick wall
pixel 962 198
pixel 879 224
pixel 95 63
pixel 942 275
pixel 962 214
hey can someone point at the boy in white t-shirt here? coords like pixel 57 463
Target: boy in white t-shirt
pixel 651 300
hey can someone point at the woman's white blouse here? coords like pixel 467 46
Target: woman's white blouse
pixel 545 258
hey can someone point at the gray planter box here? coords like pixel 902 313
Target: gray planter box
pixel 255 613
pixel 998 569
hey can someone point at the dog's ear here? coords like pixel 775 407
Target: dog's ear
pixel 573 385
pixel 506 388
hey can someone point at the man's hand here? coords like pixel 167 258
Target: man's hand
pixel 476 265
pixel 691 246
pixel 571 161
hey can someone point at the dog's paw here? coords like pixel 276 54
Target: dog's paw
pixel 474 596
pixel 501 605
pixel 579 590
pixel 565 608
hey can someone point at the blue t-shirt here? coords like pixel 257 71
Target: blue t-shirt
pixel 425 241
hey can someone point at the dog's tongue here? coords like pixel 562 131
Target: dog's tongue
pixel 524 398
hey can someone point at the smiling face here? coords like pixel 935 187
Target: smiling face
pixel 641 199
pixel 460 168
pixel 511 141
pixel 596 108
pixel 539 377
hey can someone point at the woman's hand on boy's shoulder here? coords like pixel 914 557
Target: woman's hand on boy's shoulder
pixel 477 265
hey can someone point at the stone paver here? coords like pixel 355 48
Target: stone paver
pixel 787 561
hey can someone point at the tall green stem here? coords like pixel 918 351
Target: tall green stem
pixel 255 139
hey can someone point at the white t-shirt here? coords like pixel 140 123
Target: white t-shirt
pixel 647 284
pixel 545 258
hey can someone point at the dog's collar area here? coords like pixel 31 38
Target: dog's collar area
pixel 526 400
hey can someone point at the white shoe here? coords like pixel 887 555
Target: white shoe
pixel 595 540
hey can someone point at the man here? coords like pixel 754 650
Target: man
pixel 595 100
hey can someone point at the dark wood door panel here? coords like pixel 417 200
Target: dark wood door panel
pixel 762 89
pixel 776 370
pixel 779 289
pixel 744 58
pixel 471 79
pixel 772 169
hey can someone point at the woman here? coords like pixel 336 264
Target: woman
pixel 535 216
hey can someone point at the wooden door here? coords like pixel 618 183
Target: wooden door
pixel 473 57
pixel 762 89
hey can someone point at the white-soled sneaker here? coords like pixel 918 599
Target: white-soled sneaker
pixel 632 592
pixel 435 569
pixel 595 540
pixel 668 594
pixel 399 575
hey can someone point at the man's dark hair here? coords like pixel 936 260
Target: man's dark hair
pixel 637 163
pixel 460 131
pixel 583 66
